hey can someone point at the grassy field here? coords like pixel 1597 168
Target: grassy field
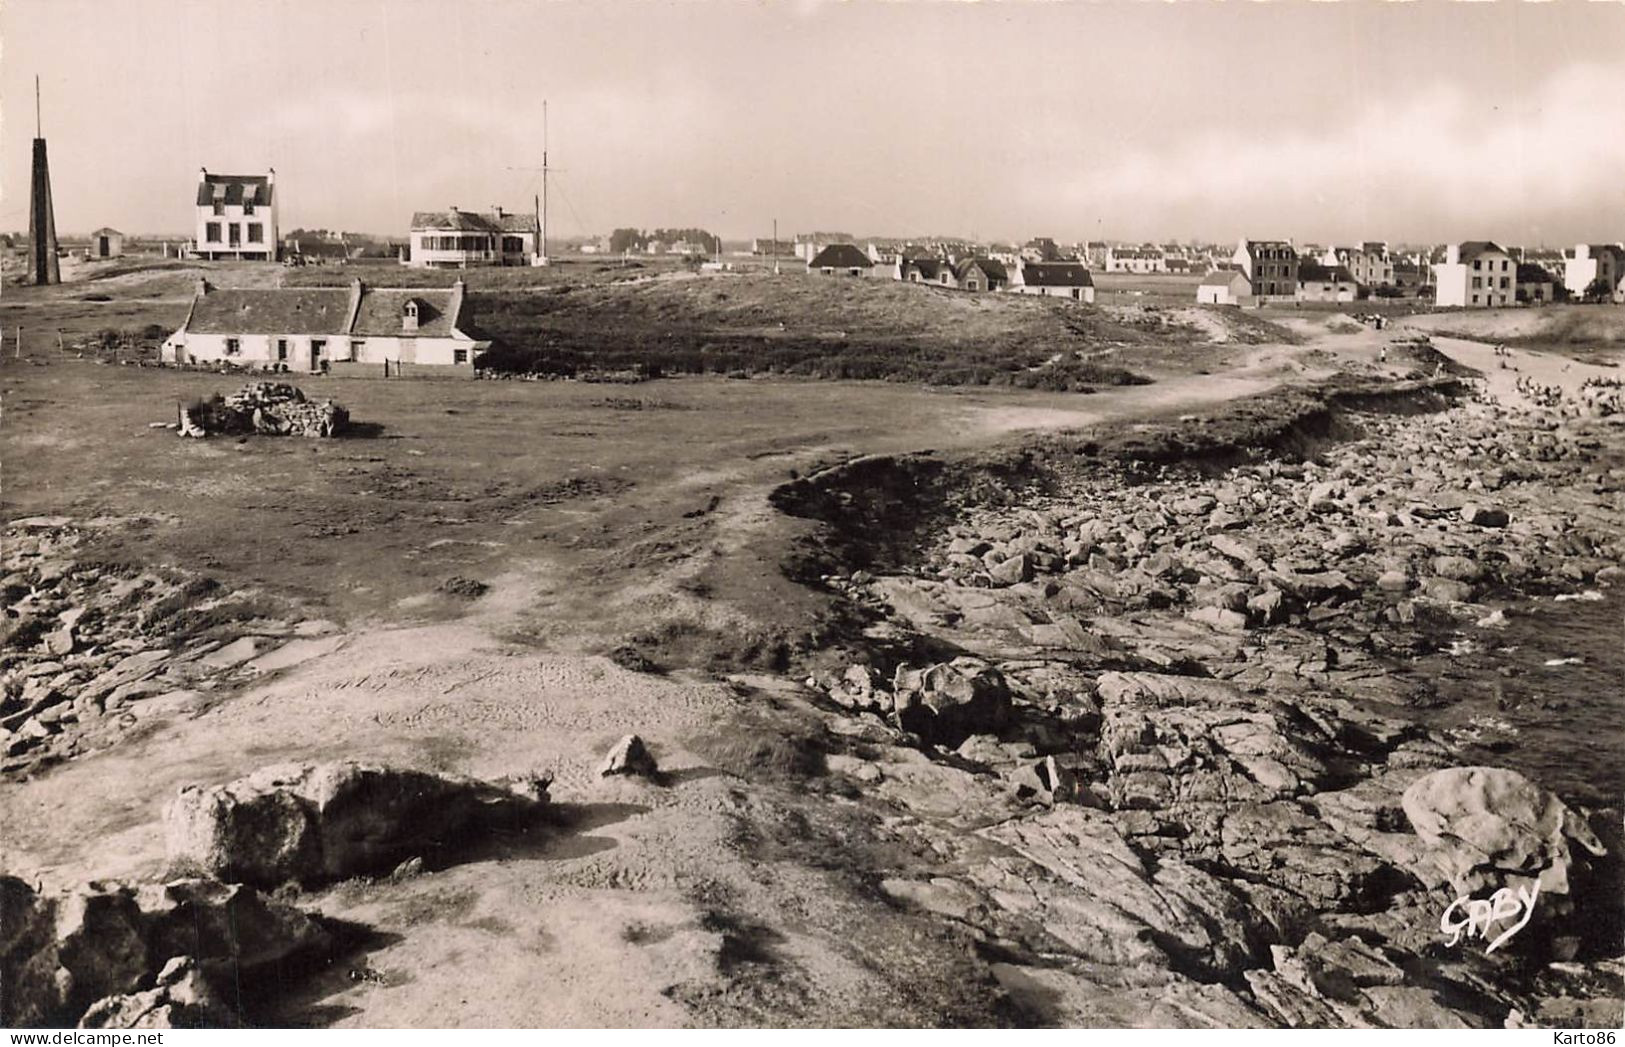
pixel 454 478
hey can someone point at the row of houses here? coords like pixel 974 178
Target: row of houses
pixel 1473 274
pixel 976 274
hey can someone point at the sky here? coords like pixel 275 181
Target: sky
pixel 1328 122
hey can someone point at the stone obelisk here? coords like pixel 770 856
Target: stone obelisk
pixel 43 267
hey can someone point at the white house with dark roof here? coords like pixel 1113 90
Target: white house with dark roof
pixel 1054 280
pixel 840 260
pixel 1326 283
pixel 236 217
pixel 457 239
pixel 1475 274
pixel 355 330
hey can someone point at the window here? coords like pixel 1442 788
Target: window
pixel 459 356
pixel 1503 283
pixel 1475 299
pixel 233 347
pixel 972 285
pixel 212 232
pixel 1503 265
pixel 1478 281
pixel 248 207
pixel 219 207
pixel 1478 263
pixel 281 349
pixel 512 245
pixel 256 233
pixel 235 232
pixel 357 346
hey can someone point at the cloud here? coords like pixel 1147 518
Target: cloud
pixel 1445 162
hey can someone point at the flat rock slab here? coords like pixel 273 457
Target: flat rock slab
pixel 238 651
pixel 295 652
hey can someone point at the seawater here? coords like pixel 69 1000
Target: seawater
pixel 1561 725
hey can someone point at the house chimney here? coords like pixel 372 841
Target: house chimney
pixel 203 174
pixel 1452 254
pixel 270 176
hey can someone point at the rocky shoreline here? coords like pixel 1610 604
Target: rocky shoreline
pixel 1134 716
pixel 1155 723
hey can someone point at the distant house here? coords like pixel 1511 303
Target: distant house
pixel 1225 287
pixel 1271 267
pixel 1054 280
pixel 981 274
pixel 1041 249
pixel 1326 283
pixel 1411 277
pixel 1592 262
pixel 456 239
pixel 1370 264
pixel 839 260
pixel 1535 285
pixel 236 217
pixel 768 247
pixel 106 243
pixel 1146 259
pixel 1094 252
pixel 1477 273
pixel 809 244
pixel 933 271
pixel 356 330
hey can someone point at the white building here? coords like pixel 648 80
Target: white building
pixel 1475 274
pixel 1147 259
pixel 1591 262
pixel 454 239
pixel 236 217
pixel 357 331
pixel 1053 280
pixel 1224 287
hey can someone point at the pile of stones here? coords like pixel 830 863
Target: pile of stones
pixel 267 408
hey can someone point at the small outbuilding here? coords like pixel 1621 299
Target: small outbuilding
pixel 106 243
pixel 1224 287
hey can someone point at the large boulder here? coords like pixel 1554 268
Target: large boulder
pixel 947 703
pixel 313 824
pixel 1488 827
pixel 62 951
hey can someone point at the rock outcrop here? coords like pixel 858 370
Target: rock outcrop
pixel 313 824
pixel 114 955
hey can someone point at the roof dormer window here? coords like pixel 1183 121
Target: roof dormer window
pixel 409 315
